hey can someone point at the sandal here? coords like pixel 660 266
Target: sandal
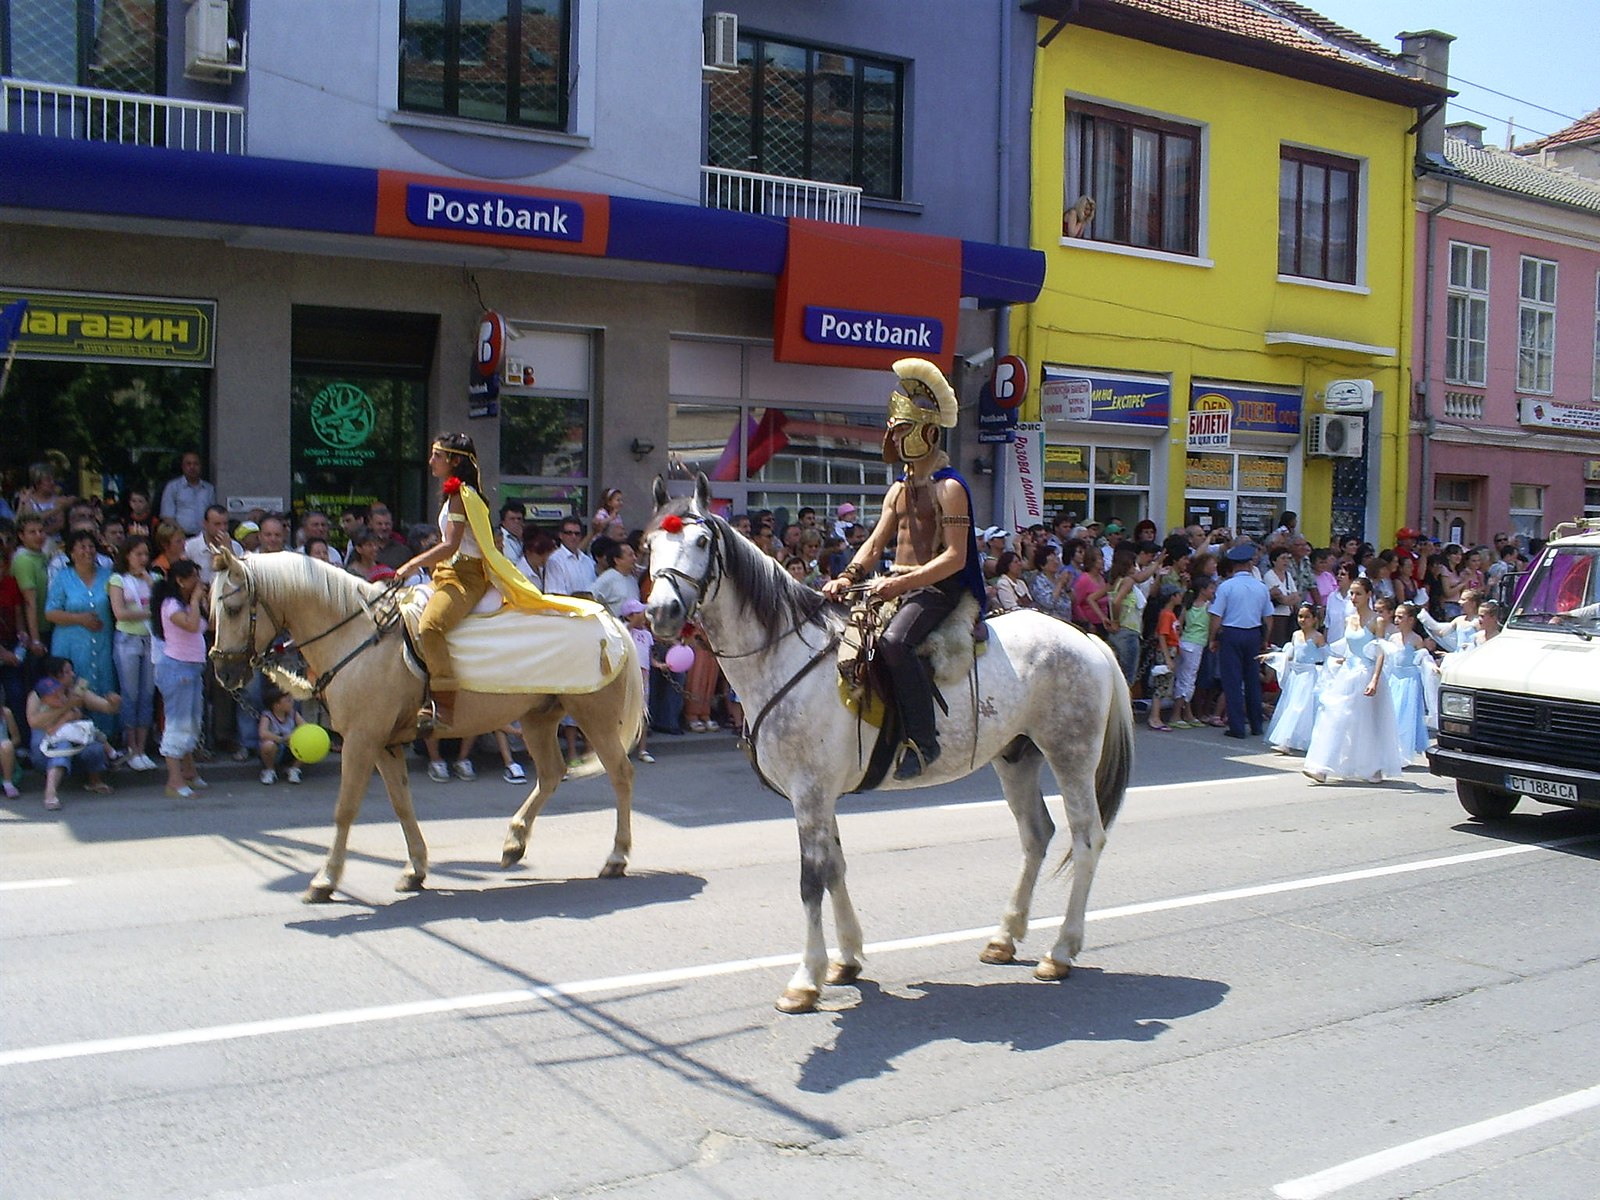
pixel 1216 722
pixel 99 789
pixel 1159 728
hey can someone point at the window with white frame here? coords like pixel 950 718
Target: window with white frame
pixel 1536 327
pixel 1527 509
pixel 1466 339
pixel 1143 174
pixel 1319 205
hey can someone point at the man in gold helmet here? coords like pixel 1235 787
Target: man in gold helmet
pixel 927 514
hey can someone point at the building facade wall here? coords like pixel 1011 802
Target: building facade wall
pixel 1483 445
pixel 1207 317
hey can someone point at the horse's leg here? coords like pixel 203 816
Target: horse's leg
pixel 539 726
pixel 392 766
pixel 1076 779
pixel 355 769
pixel 814 819
pixel 597 717
pixel 847 969
pixel 1020 782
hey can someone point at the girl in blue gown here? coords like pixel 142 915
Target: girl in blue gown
pixel 1405 670
pixel 1298 665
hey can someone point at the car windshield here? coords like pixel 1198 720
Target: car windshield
pixel 1563 590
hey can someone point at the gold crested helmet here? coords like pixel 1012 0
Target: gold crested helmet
pixel 924 401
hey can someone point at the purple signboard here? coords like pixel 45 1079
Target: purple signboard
pixel 1113 399
pixel 1255 410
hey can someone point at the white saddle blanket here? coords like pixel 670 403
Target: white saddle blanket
pixel 510 652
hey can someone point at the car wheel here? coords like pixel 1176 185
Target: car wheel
pixel 1484 802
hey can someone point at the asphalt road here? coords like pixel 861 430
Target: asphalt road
pixel 1286 990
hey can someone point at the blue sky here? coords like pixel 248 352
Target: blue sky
pixel 1546 53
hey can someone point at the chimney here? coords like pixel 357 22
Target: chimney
pixel 1426 56
pixel 1469 132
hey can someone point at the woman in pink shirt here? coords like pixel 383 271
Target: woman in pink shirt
pixel 180 674
pixel 1089 594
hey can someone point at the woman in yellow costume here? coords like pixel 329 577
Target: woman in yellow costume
pixel 464 564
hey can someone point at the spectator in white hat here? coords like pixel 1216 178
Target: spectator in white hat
pixel 993 542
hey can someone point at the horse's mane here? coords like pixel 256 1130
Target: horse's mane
pixel 778 603
pixel 287 575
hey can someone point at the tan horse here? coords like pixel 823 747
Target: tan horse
pixel 372 697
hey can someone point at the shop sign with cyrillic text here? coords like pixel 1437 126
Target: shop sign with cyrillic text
pixel 76 327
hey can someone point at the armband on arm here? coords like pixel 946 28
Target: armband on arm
pixel 955 520
pixel 855 573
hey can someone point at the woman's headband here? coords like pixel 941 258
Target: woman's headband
pixel 457 451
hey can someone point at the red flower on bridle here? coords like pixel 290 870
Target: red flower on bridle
pixel 672 523
pixel 451 486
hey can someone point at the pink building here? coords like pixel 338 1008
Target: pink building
pixel 1505 432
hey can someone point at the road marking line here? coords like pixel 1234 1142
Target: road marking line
pixel 22 885
pixel 1055 797
pixel 617 983
pixel 1359 1170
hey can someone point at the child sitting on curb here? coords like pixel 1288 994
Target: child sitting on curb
pixel 275 728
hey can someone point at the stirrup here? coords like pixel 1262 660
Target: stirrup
pixel 913 760
pixel 429 723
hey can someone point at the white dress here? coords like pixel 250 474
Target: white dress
pixel 1355 734
pixel 1297 665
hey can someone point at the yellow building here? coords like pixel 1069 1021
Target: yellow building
pixel 1250 244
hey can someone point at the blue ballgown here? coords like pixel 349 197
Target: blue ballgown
pixel 1403 672
pixel 1298 667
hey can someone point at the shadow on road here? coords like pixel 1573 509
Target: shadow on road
pixel 523 900
pixel 1534 823
pixel 1021 1015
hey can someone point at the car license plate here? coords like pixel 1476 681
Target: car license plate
pixel 1526 785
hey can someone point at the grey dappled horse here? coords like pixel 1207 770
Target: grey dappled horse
pixel 1045 693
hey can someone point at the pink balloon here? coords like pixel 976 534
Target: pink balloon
pixel 680 658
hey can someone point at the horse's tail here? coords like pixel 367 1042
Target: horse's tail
pixel 631 715
pixel 1116 749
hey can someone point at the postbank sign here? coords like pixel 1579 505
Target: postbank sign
pixel 80 327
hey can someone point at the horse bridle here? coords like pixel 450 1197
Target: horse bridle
pixel 677 579
pixel 255 660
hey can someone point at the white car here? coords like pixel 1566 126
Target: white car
pixel 1519 715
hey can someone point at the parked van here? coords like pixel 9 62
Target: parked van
pixel 1519 715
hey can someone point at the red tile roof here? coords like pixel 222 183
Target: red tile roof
pixel 1280 22
pixel 1582 130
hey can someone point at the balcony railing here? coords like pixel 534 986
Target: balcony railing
pixel 777 196
pixel 1463 406
pixel 90 114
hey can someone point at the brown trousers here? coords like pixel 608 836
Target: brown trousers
pixel 458 584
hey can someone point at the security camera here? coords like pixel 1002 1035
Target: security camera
pixel 980 360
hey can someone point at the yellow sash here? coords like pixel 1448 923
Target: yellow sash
pixel 513 585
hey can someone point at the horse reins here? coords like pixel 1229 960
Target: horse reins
pixel 257 660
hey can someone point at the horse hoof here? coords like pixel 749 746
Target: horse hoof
pixel 511 855
pixel 613 870
pixel 798 1000
pixel 997 954
pixel 1051 970
pixel 843 972
pixel 317 894
pixel 409 883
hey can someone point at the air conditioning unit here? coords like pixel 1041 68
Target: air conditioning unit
pixel 210 52
pixel 722 42
pixel 1348 396
pixel 1331 435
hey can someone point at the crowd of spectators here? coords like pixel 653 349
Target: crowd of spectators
pixel 116 595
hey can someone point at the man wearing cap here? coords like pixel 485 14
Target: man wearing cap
pixel 1113 539
pixel 927 514
pixel 248 535
pixel 1239 616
